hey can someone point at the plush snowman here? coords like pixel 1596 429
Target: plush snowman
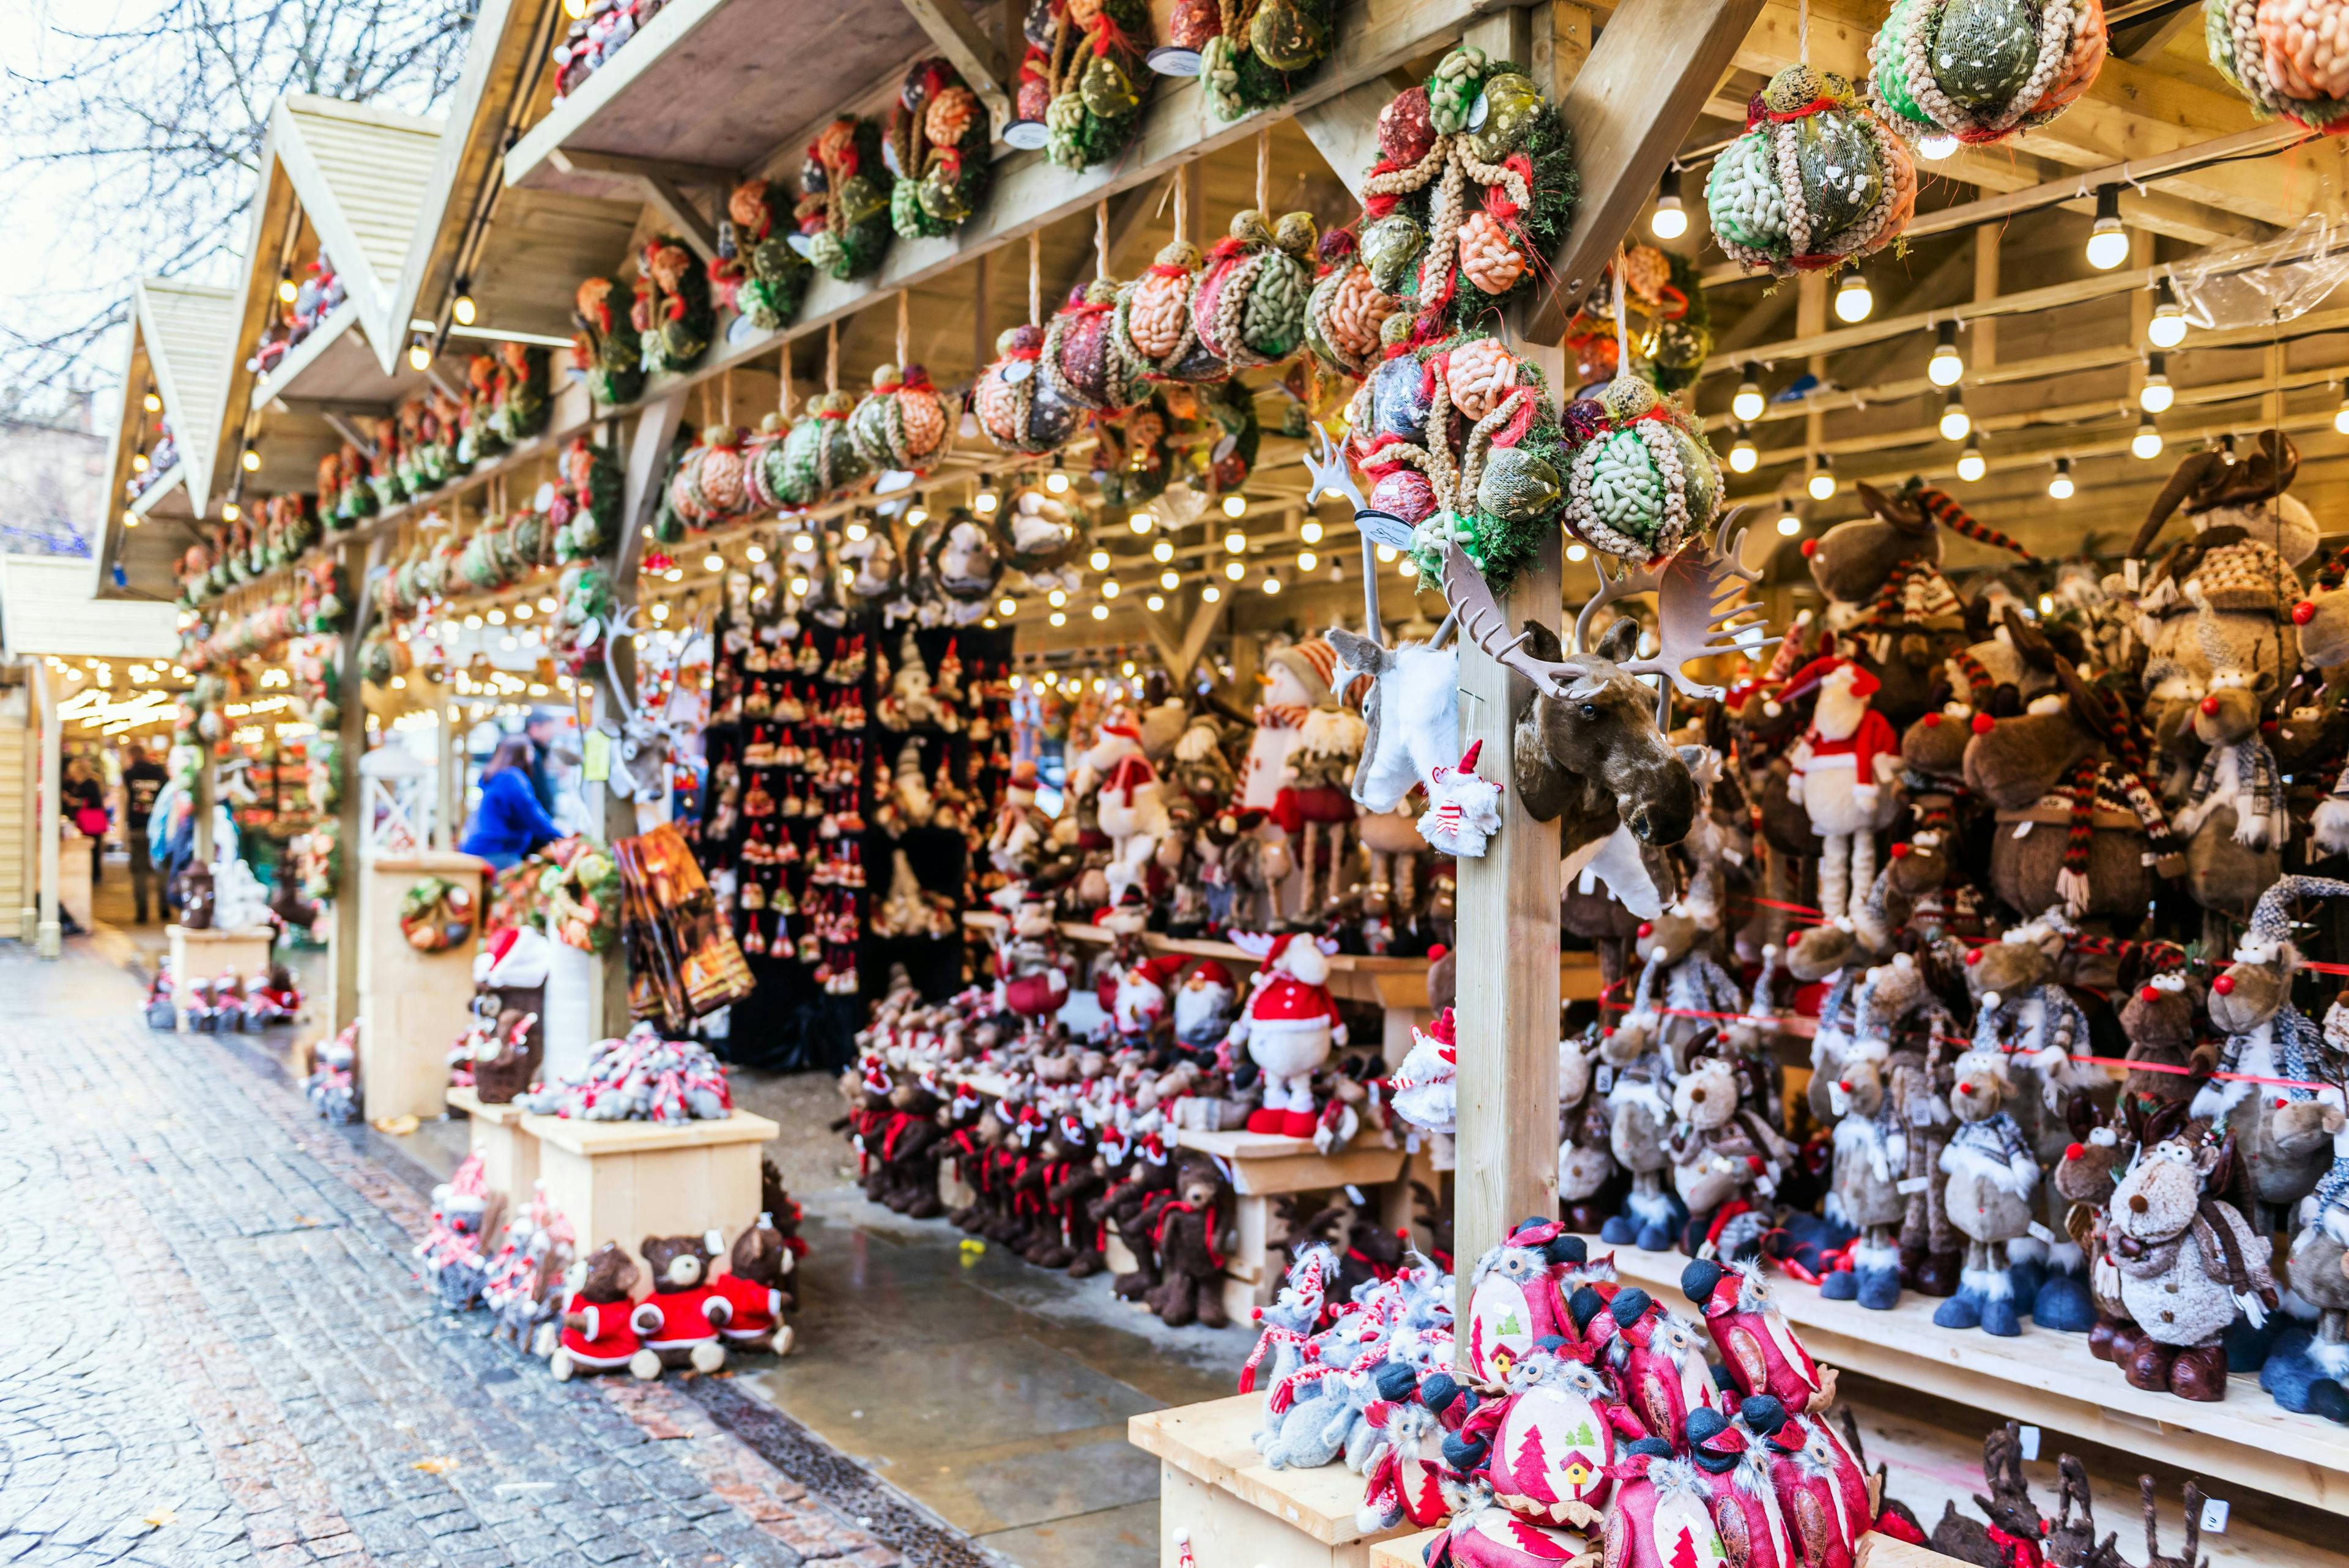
pixel 1289 1026
pixel 1297 682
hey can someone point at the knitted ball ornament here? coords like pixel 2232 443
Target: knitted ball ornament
pixel 1642 478
pixel 937 148
pixel 1817 179
pixel 1083 360
pixel 758 273
pixel 1016 407
pixel 901 425
pixel 1152 323
pixel 1249 306
pixel 1979 70
pixel 1475 180
pixel 845 198
pixel 819 458
pixel 2290 57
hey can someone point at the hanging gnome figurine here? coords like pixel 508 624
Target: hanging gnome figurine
pixel 1289 1026
pixel 1841 765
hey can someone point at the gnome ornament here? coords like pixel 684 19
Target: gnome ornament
pixel 1289 1026
pixel 1841 765
pixel 1203 1008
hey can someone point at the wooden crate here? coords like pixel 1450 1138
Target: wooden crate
pixel 622 1181
pixel 2049 1379
pixel 1236 1509
pixel 413 1005
pixel 209 955
pixel 509 1151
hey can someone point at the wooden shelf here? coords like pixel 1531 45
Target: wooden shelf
pixel 505 1113
pixel 1265 1164
pixel 2051 1380
pixel 591 1139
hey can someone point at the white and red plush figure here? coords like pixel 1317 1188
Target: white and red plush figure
pixel 1425 1090
pixel 1297 681
pixel 1129 803
pixel 1140 999
pixel 1821 1488
pixel 1841 765
pixel 1464 811
pixel 1553 1438
pixel 1662 1516
pixel 1485 1534
pixel 1517 1295
pixel 1289 1026
pixel 1031 970
pixel 1203 1006
pixel 1762 1353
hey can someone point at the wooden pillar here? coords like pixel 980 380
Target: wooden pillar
pixel 1983 351
pixel 351 818
pixel 50 937
pixel 449 777
pixel 27 782
pixel 207 794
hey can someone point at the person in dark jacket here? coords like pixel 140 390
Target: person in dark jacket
pixel 508 823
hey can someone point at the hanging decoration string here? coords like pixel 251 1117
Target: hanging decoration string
pixel 783 394
pixel 1182 214
pixel 1035 278
pixel 1101 238
pixel 1803 31
pixel 1622 334
pixel 1264 171
pixel 905 327
pixel 831 357
pixel 726 398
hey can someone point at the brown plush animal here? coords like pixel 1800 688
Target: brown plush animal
pixel 2188 1264
pixel 680 1322
pixel 596 1335
pixel 752 1289
pixel 1194 1234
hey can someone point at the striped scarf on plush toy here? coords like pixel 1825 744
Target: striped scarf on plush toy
pixel 2255 768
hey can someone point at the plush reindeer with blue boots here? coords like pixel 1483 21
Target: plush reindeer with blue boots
pixel 1991 1186
pixel 2305 1370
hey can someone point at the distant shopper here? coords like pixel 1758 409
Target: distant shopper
pixel 541 731
pixel 84 808
pixel 142 780
pixel 508 823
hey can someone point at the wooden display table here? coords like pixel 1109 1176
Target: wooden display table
pixel 622 1181
pixel 1265 1166
pixel 413 1005
pixel 209 955
pixel 1875 1552
pixel 509 1153
pixel 2049 1379
pixel 1239 1510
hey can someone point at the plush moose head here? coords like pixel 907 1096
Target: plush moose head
pixel 1851 561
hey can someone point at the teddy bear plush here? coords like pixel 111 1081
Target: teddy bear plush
pixel 752 1289
pixel 598 1333
pixel 680 1320
pixel 1193 1235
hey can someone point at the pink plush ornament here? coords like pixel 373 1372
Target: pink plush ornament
pixel 1404 493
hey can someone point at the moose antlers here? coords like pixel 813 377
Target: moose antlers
pixel 1699 606
pixel 1483 623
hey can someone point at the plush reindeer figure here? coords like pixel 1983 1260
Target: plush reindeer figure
pixel 1871 1159
pixel 2153 1554
pixel 2304 1370
pixel 2188 1262
pixel 1992 1181
pixel 1726 1162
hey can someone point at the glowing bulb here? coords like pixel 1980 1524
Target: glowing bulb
pixel 496 617
pixel 139 462
pixel 420 354
pixel 546 604
pixel 1407 567
pixel 1058 617
pixel 230 512
pixel 287 290
pixel 1310 530
pixel 463 309
pixel 1007 607
pixel 1946 368
pixel 755 554
pixel 1743 456
pixel 250 461
pixel 1057 483
pixel 1935 146
pixel 1669 218
pixel 1821 483
pixel 916 515
pixel 798 585
pixel 1386 555
pixel 1108 588
pixel 153 402
pixel 1163 551
pixel 1956 423
pixel 1234 570
pixel 1209 594
pixel 1170 580
pixel 1236 504
pixel 1154 603
pixel 2108 243
pixel 129 519
pixel 1101 612
pixel 1852 299
pixel 713 562
pixel 1970 466
pixel 2155 396
pixel 983 503
pixel 2168 327
pixel 1234 542
pixel 523 612
pixel 1788 524
pixel 1578 551
pixel 1748 404
pixel 1140 522
pixel 2046 604
pixel 1098 560
pixel 575 9
pixel 1307 560
pixel 1127 668
pixel 2059 483
pixel 1057 597
pixel 2341 415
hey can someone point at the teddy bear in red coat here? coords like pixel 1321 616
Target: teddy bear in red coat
pixel 596 1334
pixel 751 1291
pixel 680 1319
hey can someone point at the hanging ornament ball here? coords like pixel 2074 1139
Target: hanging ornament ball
pixel 1286 36
pixel 1625 398
pixel 1818 178
pixel 1398 402
pixel 1404 493
pixel 950 116
pixel 1405 132
pixel 1978 70
pixel 1791 89
pixel 1488 257
pixel 2290 57
pixel 1512 104
pixel 1390 249
pixel 1516 486
pixel 1159 307
pixel 1477 375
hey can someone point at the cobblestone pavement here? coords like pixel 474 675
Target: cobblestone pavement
pixel 217 1353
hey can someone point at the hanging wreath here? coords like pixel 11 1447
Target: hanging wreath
pixel 672 316
pixel 960 561
pixel 1262 51
pixel 937 151
pixel 581 888
pixel 1473 183
pixel 901 425
pixel 758 274
pixel 819 458
pixel 1018 408
pixel 585 511
pixel 603 350
pixel 2290 57
pixel 845 195
pixel 1346 309
pixel 520 405
pixel 1131 454
pixel 1153 325
pixel 1081 85
pixel 1817 179
pixel 1490 479
pixel 436 914
pixel 1082 360
pixel 1249 306
pixel 1979 70
pixel 1642 479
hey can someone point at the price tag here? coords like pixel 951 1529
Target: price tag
pixel 1907 1185
pixel 2214 1515
pixel 1603 1078
pixel 1355 1195
pixel 595 756
pixel 2022 829
pixel 2029 1438
pixel 2042 1234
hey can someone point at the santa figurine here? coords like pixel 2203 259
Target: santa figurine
pixel 1139 1000
pixel 1203 1008
pixel 1840 766
pixel 1127 800
pixel 1032 970
pixel 1289 1026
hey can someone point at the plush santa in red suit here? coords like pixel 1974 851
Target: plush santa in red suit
pixel 1289 1026
pixel 1840 765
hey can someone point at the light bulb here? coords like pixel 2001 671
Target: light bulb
pixel 1788 524
pixel 131 519
pixel 1057 483
pixel 1936 145
pixel 153 402
pixel 1236 505
pixel 1386 555
pixel 2155 396
pixel 286 289
pixel 1108 588
pixel 2046 604
pixel 1127 668
pixel 1669 218
pixel 1407 567
pixel 1140 522
pixel 250 459
pixel 1821 483
pixel 138 462
pixel 496 617
pixel 1234 542
pixel 1310 530
pixel 1101 612
pixel 755 554
pixel 2168 327
pixel 523 611
pixel 1170 580
pixel 2059 483
pixel 1098 560
pixel 1971 465
pixel 230 512
pixel 1747 405
pixel 1007 607
pixel 546 604
pixel 1271 584
pixel 713 562
pixel 2108 243
pixel 1946 368
pixel 1956 423
pixel 1234 570
pixel 420 354
pixel 1578 551
pixel 1060 617
pixel 916 515
pixel 461 308
pixel 983 503
pixel 1163 551
pixel 1852 299
pixel 1743 456
pixel 1057 597
pixel 575 9
pixel 1307 560
pixel 1210 594
pixel 1154 603
pixel 2146 442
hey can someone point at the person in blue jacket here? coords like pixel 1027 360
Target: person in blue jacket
pixel 508 823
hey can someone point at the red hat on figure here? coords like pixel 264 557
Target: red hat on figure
pixel 1801 682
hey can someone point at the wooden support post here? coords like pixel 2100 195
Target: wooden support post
pixel 1983 353
pixel 448 778
pixel 50 937
pixel 350 811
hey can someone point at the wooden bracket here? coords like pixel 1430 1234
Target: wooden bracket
pixel 660 182
pixel 970 51
pixel 349 433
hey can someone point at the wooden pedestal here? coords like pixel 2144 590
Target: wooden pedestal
pixel 509 1153
pixel 622 1181
pixel 1264 1167
pixel 413 1005
pixel 209 955
pixel 1236 1509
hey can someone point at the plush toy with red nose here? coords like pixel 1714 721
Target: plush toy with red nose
pixel 1289 1026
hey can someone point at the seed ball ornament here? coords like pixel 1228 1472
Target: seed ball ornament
pixel 1979 70
pixel 1014 403
pixel 1132 457
pixel 1459 440
pixel 1082 360
pixel 1260 52
pixel 1345 312
pixel 819 458
pixel 672 316
pixel 1474 181
pixel 845 194
pixel 757 272
pixel 1818 178
pixel 2290 57
pixel 1083 79
pixel 1642 478
pixel 1250 307
pixel 901 425
pixel 604 350
pixel 936 150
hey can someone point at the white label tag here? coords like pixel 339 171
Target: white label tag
pixel 2028 1436
pixel 1478 110
pixel 2214 1515
pixel 1909 1184
pixel 1355 1195
pixel 1839 1097
pixel 2022 829
pixel 2042 1234
pixel 1603 1078
pixel 2128 572
pixel 1411 1143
